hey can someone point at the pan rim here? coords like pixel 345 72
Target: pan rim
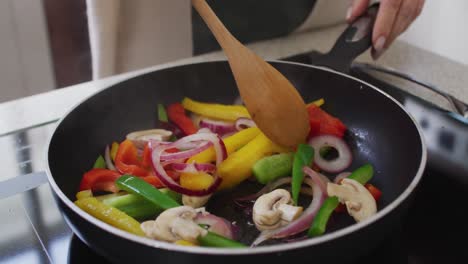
pixel 245 251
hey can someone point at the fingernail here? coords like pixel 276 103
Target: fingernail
pixel 349 13
pixel 379 44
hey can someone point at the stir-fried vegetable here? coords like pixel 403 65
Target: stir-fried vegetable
pixel 322 123
pixel 362 175
pixel 217 111
pixel 272 167
pixel 162 114
pixel 176 114
pixel 214 240
pixel 232 144
pixel 100 163
pixel 110 215
pixel 226 151
pixel 238 166
pixel 303 157
pixel 137 186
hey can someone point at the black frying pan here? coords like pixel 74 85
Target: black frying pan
pixel 380 132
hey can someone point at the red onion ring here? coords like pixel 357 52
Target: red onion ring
pixel 107 158
pixel 160 172
pixel 303 222
pixel 244 122
pixel 341 176
pixel 193 167
pixel 218 127
pixel 187 153
pixel 344 153
pixel 217 224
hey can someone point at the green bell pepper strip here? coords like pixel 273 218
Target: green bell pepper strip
pixel 140 187
pixel 303 157
pixel 214 240
pixel 137 206
pixel 320 221
pixel 162 114
pixel 273 167
pixel 362 175
pixel 145 190
pixel 100 163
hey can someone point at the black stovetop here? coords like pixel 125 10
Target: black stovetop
pixel 432 232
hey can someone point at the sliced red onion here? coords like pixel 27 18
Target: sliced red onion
pixel 244 122
pixel 216 224
pixel 343 160
pixel 159 149
pixel 193 167
pixel 187 153
pixel 218 127
pixel 303 222
pixel 176 131
pixel 341 176
pixel 107 158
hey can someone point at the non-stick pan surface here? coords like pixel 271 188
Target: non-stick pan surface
pixel 380 132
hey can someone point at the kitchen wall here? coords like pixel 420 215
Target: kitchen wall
pixel 25 65
pixel 441 28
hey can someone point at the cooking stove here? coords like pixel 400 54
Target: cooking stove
pixel 33 230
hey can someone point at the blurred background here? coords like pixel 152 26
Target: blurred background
pixel 45 44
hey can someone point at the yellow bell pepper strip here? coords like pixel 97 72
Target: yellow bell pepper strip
pixel 185 243
pixel 238 166
pixel 232 144
pixel 217 111
pixel 225 112
pixel 318 102
pixel 113 150
pixel 84 194
pixel 110 215
pixel 196 181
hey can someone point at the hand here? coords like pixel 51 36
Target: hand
pixel 393 18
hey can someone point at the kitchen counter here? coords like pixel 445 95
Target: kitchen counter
pixel 424 65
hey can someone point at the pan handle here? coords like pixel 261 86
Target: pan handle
pixel 355 40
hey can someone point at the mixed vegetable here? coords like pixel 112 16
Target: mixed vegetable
pixel 157 182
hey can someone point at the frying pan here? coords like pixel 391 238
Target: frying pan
pixel 380 131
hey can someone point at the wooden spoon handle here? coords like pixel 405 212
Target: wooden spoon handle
pixel 222 35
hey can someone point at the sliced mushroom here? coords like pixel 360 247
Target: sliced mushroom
pixel 141 137
pixel 195 201
pixel 358 200
pixel 273 210
pixel 174 224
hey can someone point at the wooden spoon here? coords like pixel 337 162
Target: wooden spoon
pixel 272 101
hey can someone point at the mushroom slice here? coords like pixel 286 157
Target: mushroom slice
pixel 195 201
pixel 174 224
pixel 358 200
pixel 141 137
pixel 273 210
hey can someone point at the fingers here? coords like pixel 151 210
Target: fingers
pixel 393 18
pixel 357 8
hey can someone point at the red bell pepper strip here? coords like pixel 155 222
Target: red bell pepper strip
pixel 323 123
pixel 176 114
pixel 376 193
pixel 104 180
pixel 127 161
pixel 99 180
